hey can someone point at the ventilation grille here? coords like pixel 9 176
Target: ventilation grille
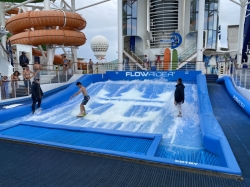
pixel 163 22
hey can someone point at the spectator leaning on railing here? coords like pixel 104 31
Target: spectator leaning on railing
pixel 14 82
pixel 5 87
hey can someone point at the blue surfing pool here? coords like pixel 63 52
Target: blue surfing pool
pixel 136 106
pixel 144 106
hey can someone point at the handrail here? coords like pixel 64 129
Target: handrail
pixel 188 52
pixel 4 49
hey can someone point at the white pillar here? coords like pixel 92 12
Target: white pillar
pixel 50 56
pixel 2 22
pixel 120 35
pixel 74 49
pixel 46 4
pixel 241 31
pixel 199 57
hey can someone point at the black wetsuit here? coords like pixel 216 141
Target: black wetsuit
pixel 37 95
pixel 179 95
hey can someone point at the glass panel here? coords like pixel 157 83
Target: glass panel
pixel 210 19
pixel 134 10
pixel 196 23
pixel 211 5
pixel 197 5
pixel 134 26
pixel 216 5
pixel 209 39
pixel 205 20
pixel 129 26
pixel 214 39
pixel 206 5
pixel 215 27
pixel 129 17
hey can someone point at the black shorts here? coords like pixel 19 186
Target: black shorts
pixel 85 100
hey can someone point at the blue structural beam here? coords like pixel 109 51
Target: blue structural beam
pixel 213 138
pixel 242 101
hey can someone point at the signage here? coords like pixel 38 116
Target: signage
pixel 149 74
pixel 175 40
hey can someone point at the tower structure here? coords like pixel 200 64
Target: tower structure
pixel 99 45
pixel 147 27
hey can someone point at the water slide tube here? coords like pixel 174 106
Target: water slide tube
pixel 242 101
pixel 53 27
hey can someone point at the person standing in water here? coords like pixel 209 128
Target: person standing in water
pixel 179 95
pixel 82 90
pixel 36 94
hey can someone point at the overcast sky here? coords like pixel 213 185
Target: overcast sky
pixel 102 20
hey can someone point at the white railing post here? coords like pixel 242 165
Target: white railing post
pixel 236 77
pixel 245 82
pixel 58 77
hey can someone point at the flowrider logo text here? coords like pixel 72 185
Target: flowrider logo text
pixel 150 74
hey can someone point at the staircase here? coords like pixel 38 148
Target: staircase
pixel 137 57
pixel 188 55
pixel 62 78
pixel 211 78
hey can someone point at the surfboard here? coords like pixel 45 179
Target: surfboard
pixel 174 59
pixel 167 59
pixel 81 116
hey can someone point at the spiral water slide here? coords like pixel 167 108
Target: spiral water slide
pixel 52 27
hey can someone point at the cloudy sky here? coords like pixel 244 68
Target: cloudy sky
pixel 102 20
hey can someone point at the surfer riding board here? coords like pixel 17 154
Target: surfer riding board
pixel 82 90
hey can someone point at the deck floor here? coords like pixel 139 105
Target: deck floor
pixel 235 123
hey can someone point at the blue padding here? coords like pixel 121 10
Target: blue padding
pixel 242 101
pixel 51 101
pixel 202 84
pixel 204 103
pixel 213 138
pixel 98 140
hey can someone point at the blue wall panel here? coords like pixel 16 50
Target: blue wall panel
pixel 213 138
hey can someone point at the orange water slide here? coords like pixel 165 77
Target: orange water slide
pixel 13 11
pixel 53 27
pixel 57 58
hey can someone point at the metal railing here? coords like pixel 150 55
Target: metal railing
pixel 153 66
pixel 188 53
pixel 241 78
pixel 56 74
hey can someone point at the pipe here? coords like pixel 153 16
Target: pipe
pixel 94 5
pixel 18 5
pixel 120 35
pixel 200 34
pixel 241 33
pixel 66 4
